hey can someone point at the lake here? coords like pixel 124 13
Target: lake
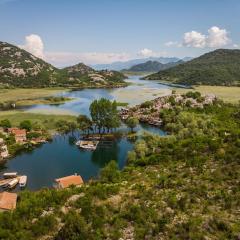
pixel 61 157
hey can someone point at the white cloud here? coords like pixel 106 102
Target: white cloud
pixel 235 45
pixel 171 43
pixel 146 53
pixel 216 38
pixel 34 44
pixel 194 39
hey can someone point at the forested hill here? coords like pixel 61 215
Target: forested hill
pixel 220 67
pixel 19 68
pixel 152 66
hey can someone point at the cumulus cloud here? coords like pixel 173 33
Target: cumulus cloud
pixel 215 38
pixel 194 39
pixel 34 45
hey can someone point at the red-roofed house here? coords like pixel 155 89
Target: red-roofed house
pixel 66 182
pixel 20 134
pixel 8 201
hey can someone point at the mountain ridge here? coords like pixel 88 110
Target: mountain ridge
pixel 19 68
pixel 152 66
pixel 219 67
pixel 118 66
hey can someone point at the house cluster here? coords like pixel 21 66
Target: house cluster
pixel 20 135
pixel 150 114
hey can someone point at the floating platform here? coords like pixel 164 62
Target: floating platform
pixel 89 145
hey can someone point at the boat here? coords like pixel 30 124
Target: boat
pixel 12 183
pixel 89 145
pixel 23 181
pixel 10 175
pixel 4 182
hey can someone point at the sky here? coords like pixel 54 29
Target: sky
pixel 64 32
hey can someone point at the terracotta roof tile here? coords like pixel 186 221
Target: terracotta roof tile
pixel 8 200
pixel 69 180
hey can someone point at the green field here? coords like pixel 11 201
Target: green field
pixel 47 121
pixel 227 94
pixel 27 94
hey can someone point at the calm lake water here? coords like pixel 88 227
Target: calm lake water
pixel 61 157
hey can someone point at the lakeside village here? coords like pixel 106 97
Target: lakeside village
pixel 104 118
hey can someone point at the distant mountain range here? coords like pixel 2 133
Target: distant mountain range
pixel 220 67
pixel 118 66
pixel 19 68
pixel 152 66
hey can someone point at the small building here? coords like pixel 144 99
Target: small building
pixel 68 181
pixel 20 134
pixel 3 149
pixel 8 201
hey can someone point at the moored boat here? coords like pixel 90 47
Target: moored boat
pixel 4 182
pixel 89 145
pixel 13 183
pixel 23 181
pixel 10 175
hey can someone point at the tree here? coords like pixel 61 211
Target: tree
pixel 110 172
pixel 84 123
pixel 5 123
pixel 132 122
pixel 26 124
pixel 72 126
pixel 104 114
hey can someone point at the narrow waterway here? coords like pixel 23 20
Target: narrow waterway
pixel 61 157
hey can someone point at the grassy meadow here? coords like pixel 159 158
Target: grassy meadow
pixel 27 93
pixel 48 121
pixel 227 94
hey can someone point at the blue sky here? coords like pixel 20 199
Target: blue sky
pixel 98 31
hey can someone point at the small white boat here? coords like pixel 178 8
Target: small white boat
pixel 89 145
pixel 10 175
pixel 13 183
pixel 23 181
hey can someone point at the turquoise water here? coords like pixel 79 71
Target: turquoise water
pixel 61 157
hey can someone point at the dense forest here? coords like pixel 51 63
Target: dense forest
pixel 220 67
pixel 184 185
pixel 19 68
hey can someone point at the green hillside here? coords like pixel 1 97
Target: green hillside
pixel 19 68
pixel 152 66
pixel 181 186
pixel 220 67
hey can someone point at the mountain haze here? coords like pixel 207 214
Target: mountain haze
pixel 127 64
